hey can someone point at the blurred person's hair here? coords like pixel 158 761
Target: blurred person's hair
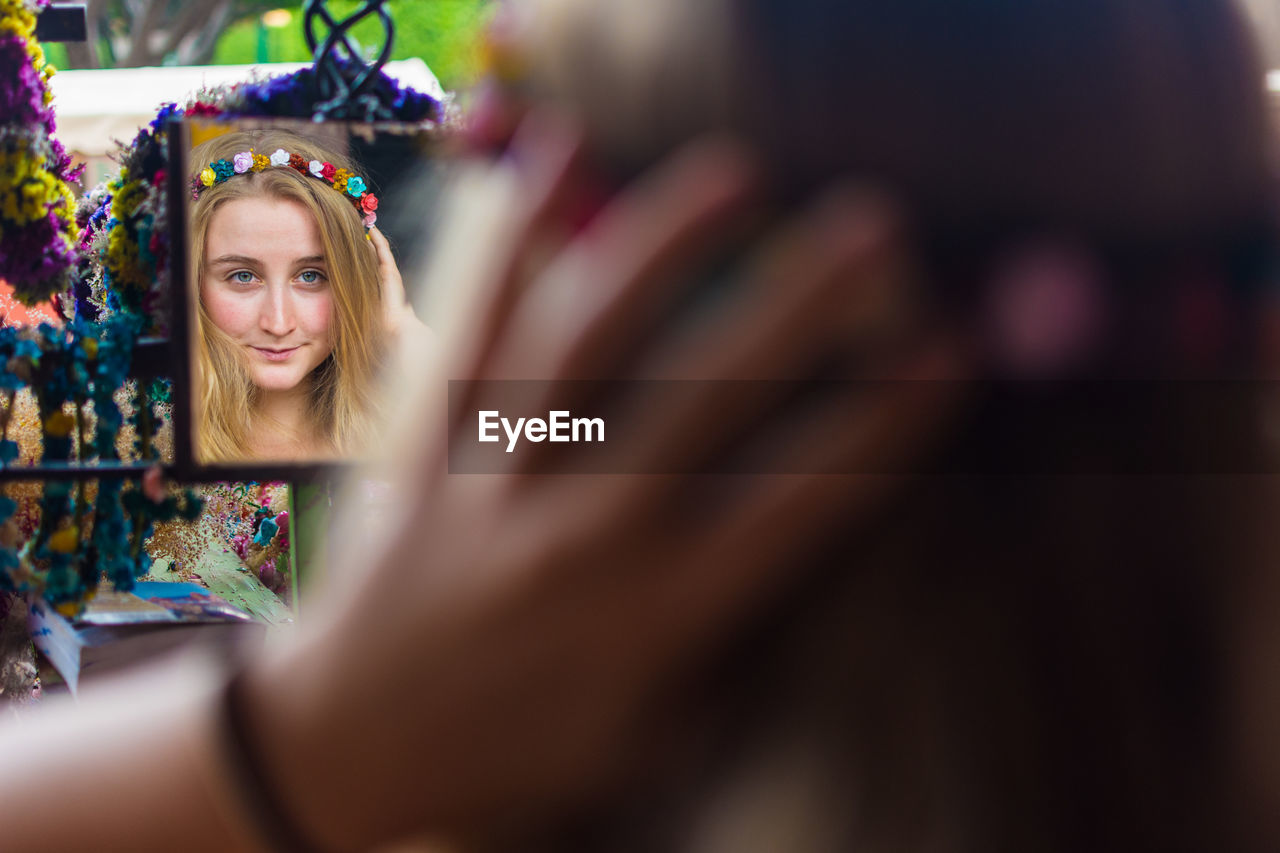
pixel 994 662
pixel 342 395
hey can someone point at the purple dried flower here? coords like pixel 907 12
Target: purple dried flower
pixel 21 90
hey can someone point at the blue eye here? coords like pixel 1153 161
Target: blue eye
pixel 242 277
pixel 311 277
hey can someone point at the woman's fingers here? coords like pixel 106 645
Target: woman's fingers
pixel 387 268
pixel 848 456
pixel 543 161
pixel 592 308
pixel 615 282
pixel 836 275
pixel 395 304
pixel 388 272
pixel 530 185
pixel 400 321
pixel 810 291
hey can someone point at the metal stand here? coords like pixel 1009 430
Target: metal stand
pixel 62 23
pixel 343 79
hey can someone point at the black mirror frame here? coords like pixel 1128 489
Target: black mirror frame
pixel 186 468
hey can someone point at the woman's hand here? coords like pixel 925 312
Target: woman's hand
pixel 397 312
pixel 495 664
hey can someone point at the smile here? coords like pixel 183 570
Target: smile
pixel 275 354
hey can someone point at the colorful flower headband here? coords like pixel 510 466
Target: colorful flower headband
pixel 343 180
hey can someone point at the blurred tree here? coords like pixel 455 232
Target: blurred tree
pixel 133 33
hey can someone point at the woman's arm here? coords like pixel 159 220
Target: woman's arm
pixel 135 765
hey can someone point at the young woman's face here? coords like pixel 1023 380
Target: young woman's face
pixel 266 285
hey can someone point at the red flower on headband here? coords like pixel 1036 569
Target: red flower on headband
pixel 369 202
pixel 297 161
pixel 327 171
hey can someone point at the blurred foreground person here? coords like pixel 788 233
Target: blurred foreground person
pixel 1058 635
pixel 964 629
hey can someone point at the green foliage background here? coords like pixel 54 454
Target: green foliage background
pixel 445 33
pixel 56 54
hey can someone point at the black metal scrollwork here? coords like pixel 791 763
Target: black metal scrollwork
pixel 345 82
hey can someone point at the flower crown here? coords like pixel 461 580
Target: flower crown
pixel 344 181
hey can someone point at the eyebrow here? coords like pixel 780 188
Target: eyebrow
pixel 245 260
pixel 232 259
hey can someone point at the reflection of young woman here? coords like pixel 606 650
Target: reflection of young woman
pixel 291 323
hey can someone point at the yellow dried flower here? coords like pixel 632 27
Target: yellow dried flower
pixel 66 540
pixel 59 424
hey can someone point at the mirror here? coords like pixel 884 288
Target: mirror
pixel 293 231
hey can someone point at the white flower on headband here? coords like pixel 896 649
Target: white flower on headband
pixel 317 168
pixel 242 162
pixel 280 157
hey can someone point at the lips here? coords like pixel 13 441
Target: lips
pixel 275 354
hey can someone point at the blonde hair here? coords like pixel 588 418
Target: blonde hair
pixel 343 400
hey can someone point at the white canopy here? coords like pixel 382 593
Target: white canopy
pixel 95 107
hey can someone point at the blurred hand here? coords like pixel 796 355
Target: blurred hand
pixel 496 661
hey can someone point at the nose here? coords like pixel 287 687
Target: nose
pixel 277 317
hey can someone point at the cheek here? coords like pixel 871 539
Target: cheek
pixel 316 315
pixel 232 316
